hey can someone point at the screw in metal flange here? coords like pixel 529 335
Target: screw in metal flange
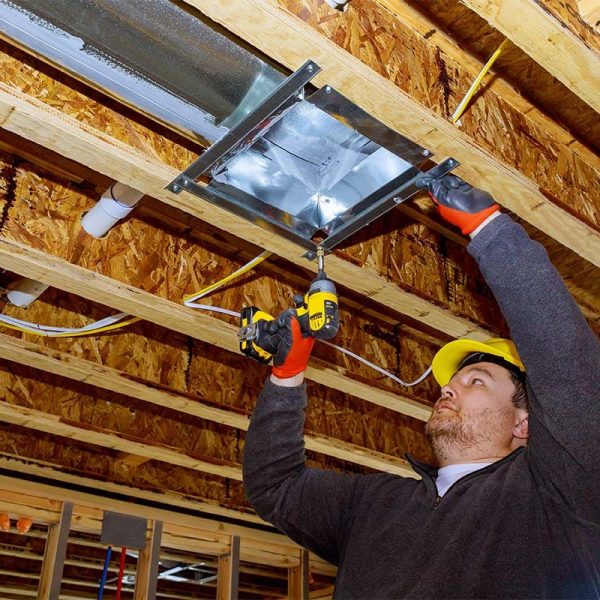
pixel 175 188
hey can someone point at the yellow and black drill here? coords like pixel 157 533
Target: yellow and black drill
pixel 317 313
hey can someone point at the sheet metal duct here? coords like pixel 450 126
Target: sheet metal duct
pixel 304 164
pixel 309 165
pixel 154 54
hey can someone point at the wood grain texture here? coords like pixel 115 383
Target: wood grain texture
pixel 486 147
pixel 478 38
pixel 549 41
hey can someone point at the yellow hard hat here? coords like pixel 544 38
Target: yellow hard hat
pixel 447 360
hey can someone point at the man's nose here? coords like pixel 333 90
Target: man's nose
pixel 448 391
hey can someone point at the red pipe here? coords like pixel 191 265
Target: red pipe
pixel 121 570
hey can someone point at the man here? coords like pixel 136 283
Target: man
pixel 514 509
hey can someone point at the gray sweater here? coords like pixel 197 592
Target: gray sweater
pixel 527 526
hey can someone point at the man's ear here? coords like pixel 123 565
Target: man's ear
pixel 521 429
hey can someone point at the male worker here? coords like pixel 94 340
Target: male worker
pixel 514 509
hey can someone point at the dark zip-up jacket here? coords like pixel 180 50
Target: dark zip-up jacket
pixel 527 526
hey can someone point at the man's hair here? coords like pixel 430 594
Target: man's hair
pixel 519 398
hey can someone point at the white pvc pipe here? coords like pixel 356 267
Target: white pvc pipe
pixel 25 291
pixel 338 4
pixel 115 204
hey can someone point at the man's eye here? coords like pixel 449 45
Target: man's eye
pixel 477 381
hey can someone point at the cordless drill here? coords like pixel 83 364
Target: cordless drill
pixel 317 314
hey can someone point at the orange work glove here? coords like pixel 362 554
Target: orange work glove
pixel 458 202
pixel 293 348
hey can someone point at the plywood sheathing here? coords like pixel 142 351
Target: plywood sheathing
pixel 387 101
pixel 548 41
pixel 98 464
pixel 416 66
pixel 91 409
pixel 545 91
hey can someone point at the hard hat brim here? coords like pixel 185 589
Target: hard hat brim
pixel 448 359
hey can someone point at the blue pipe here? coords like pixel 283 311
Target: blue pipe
pixel 104 573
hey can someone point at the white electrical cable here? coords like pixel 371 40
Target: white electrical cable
pixel 379 369
pixel 50 331
pixel 189 302
pixel 212 308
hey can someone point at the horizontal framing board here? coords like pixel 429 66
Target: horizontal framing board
pixel 537 32
pixel 88 372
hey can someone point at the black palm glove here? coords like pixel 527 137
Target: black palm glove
pixel 458 202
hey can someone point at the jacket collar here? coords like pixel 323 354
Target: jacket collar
pixel 429 472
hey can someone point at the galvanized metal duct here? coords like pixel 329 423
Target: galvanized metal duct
pixel 154 54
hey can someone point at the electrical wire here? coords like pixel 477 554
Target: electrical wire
pixel 211 288
pixel 460 109
pixel 106 324
pixel 377 368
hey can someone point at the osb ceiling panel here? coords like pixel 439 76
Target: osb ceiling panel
pixel 141 434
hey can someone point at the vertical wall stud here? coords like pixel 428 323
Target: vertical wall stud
pixel 54 555
pixel 229 572
pixel 298 578
pixel 147 570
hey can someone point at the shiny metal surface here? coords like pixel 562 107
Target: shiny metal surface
pixel 351 115
pixel 154 54
pixel 314 167
pixel 252 126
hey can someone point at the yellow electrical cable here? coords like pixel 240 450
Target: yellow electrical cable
pixel 241 271
pixel 71 333
pixel 475 85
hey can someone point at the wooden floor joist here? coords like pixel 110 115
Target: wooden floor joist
pixel 104 290
pixel 85 371
pixel 258 546
pixel 529 25
pixel 41 421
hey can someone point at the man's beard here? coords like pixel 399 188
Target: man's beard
pixel 449 435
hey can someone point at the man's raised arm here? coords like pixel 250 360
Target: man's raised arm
pixel 560 352
pixel 309 505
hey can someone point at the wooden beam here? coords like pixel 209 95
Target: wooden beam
pixel 40 421
pixel 48 127
pixel 61 274
pixel 298 578
pixel 289 41
pixel 146 578
pixel 27 466
pixel 590 12
pixel 54 555
pixel 543 37
pixel 78 369
pixel 228 572
pixel 260 546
